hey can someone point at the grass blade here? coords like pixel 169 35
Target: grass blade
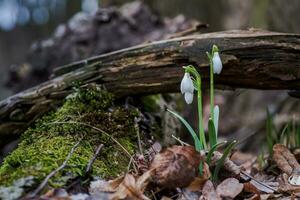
pixel 269 132
pixel 211 151
pixel 220 162
pixel 212 133
pixel 190 129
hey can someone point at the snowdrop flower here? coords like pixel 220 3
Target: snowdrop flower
pixel 187 88
pixel 188 97
pixel 217 63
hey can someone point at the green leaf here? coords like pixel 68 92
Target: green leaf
pixel 220 162
pixel 198 144
pixel 283 133
pixel 297 137
pixel 212 149
pixel 212 133
pixel 269 130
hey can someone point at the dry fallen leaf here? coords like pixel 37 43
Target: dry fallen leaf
pixel 124 187
pixel 132 188
pixel 285 186
pixel 284 159
pixel 209 192
pixel 105 186
pixel 176 166
pixel 229 188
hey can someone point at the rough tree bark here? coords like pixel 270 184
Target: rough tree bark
pixel 252 59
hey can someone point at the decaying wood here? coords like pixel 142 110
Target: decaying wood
pixel 252 59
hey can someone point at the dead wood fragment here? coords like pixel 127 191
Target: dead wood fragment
pixel 252 59
pixel 91 162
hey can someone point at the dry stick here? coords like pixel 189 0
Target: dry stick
pixel 91 162
pixel 63 165
pixel 261 183
pixel 180 141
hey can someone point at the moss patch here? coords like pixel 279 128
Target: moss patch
pixel 46 145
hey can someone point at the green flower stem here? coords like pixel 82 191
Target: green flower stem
pixel 211 89
pixel 194 72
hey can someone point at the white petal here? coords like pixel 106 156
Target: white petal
pixel 216 118
pixel 188 97
pixel 186 84
pixel 217 63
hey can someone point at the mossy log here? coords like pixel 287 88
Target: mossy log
pixel 88 116
pixel 252 59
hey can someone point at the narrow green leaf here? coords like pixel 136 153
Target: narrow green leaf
pixel 283 133
pixel 220 162
pixel 198 144
pixel 297 137
pixel 269 131
pixel 212 133
pixel 211 151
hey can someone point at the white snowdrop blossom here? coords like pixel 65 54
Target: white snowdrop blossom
pixel 217 63
pixel 188 97
pixel 187 88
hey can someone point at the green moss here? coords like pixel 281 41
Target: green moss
pixel 47 143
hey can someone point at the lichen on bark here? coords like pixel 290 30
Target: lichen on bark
pixel 46 144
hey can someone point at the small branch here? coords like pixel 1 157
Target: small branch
pixel 91 162
pixel 63 165
pixel 261 183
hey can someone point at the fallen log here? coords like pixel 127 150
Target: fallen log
pixel 252 59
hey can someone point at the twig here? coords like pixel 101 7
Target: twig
pixel 261 183
pixel 180 141
pixel 63 165
pixel 97 129
pixel 91 162
pixel 136 126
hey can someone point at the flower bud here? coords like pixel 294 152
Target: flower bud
pixel 217 63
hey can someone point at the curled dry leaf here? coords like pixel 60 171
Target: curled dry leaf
pixel 127 187
pixel 176 166
pixel 132 188
pixel 228 164
pixel 284 159
pixel 197 184
pixel 285 186
pixel 287 162
pixel 195 188
pixel 105 186
pixel 229 188
pixel 209 192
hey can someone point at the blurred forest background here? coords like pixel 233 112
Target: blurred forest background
pixel 24 22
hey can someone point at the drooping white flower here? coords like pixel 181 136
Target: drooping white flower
pixel 186 84
pixel 217 63
pixel 216 118
pixel 188 97
pixel 187 88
